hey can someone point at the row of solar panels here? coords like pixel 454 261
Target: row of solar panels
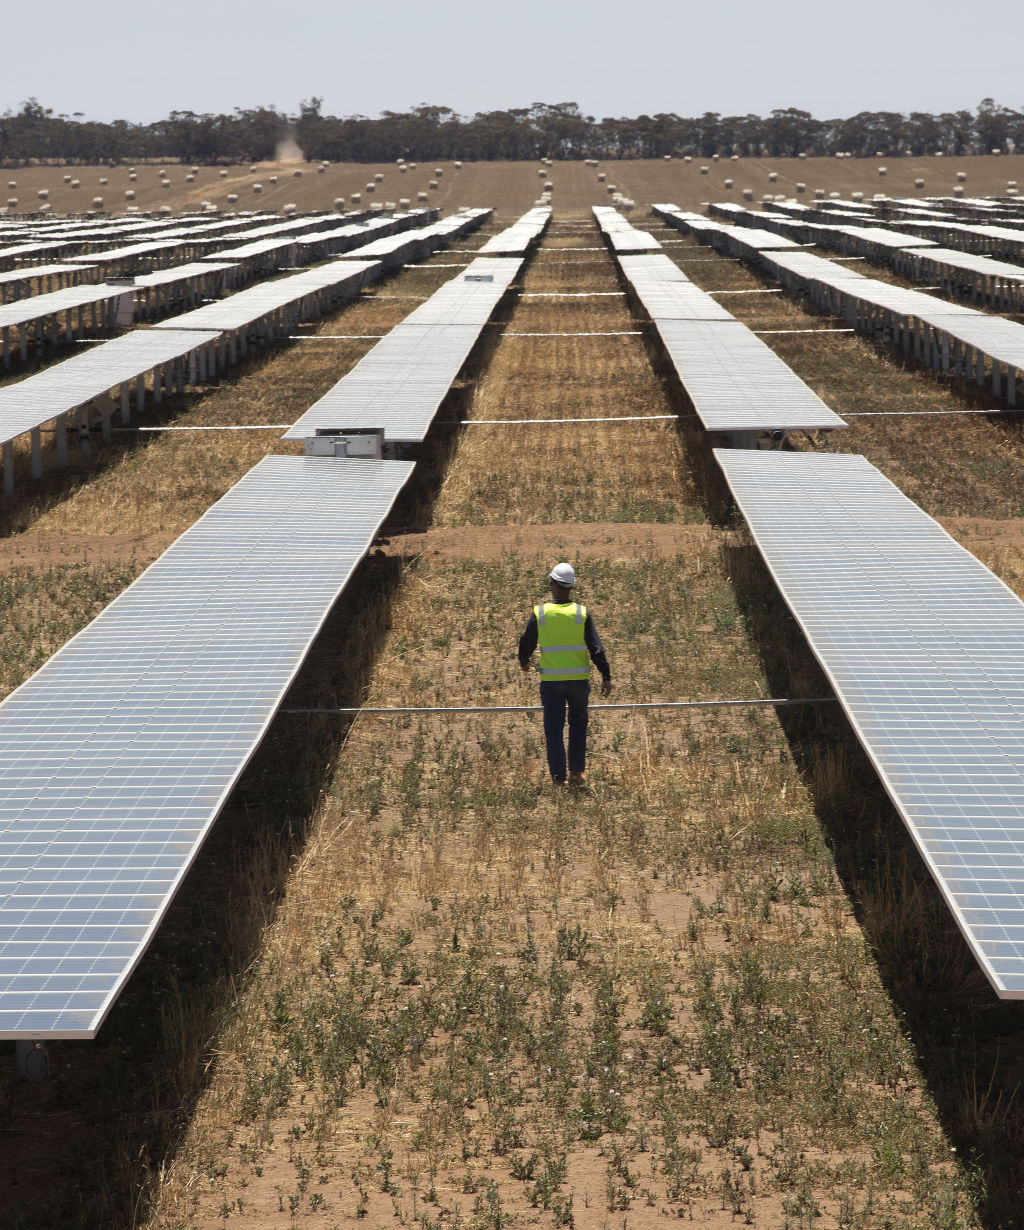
pixel 170 245
pixel 948 336
pixel 399 384
pixel 735 382
pixel 985 238
pixel 959 273
pixel 117 756
pixel 216 333
pixel 924 648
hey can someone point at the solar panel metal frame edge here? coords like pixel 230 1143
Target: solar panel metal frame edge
pixel 998 986
pixel 90 1031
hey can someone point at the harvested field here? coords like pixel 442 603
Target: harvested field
pixel 410 982
pixel 511 186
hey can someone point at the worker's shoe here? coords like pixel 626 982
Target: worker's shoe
pixel 558 782
pixel 577 781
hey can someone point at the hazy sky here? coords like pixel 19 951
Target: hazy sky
pixel 110 59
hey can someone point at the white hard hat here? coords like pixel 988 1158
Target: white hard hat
pixel 564 575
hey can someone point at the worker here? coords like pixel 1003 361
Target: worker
pixel 564 630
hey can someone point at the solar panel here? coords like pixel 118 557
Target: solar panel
pixel 737 383
pixel 925 649
pixel 400 383
pixel 245 307
pixel 64 386
pixel 117 756
pixel 517 239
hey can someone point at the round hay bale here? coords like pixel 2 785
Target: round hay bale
pixel 320 170
pixel 290 208
pixel 131 209
pixel 727 183
pixel 45 207
pixel 132 177
pixel 734 158
pixel 458 165
pixel 438 172
pixel 190 178
pixel 43 193
pixel 403 202
pixel 801 186
pixel 1011 183
pixel 767 199
pixel 918 183
pixel 714 157
pixel 704 169
pixel 780 196
pixel 883 172
pixel 958 190
pixel 421 196
pixel 668 157
pixel 1011 191
pixel 13 183
pixel 129 194
pixel 834 196
pixel 612 189
pixel 773 176
pixel 297 173
pixel 76 183
pixel 67 179
pixel 542 174
pixel 103 181
pixel 378 177
pixel 997 151
pixel 370 186
pixel 232 197
pixel 223 172
pixel 194 170
pixel 355 198
pixel 390 206
pixel 801 155
pixel 549 186
pixel 687 158
pixel 164 209
pixel 253 170
pixel 97 202
pixel 412 166
pixel 257 188
pixel 857 196
pixel 602 176
pixel 12 202
pixel 339 204
pixel 403 168
pixel 819 194
pixel 432 184
pixel 748 194
pixel 131 170
pixel 961 176
pixel 376 207
pixel 273 179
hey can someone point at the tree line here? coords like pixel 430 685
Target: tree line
pixel 553 130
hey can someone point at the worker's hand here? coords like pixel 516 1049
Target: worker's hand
pixel 606 687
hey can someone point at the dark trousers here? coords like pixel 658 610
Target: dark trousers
pixel 556 698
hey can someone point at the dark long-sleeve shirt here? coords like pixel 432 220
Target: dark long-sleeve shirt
pixel 528 643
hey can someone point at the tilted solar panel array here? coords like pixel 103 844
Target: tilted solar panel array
pixel 925 649
pixel 735 382
pixel 400 383
pixel 116 757
pixel 949 336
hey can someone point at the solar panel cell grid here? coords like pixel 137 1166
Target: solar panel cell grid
pixel 112 770
pixel 927 665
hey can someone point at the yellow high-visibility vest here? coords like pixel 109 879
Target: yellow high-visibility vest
pixel 563 649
